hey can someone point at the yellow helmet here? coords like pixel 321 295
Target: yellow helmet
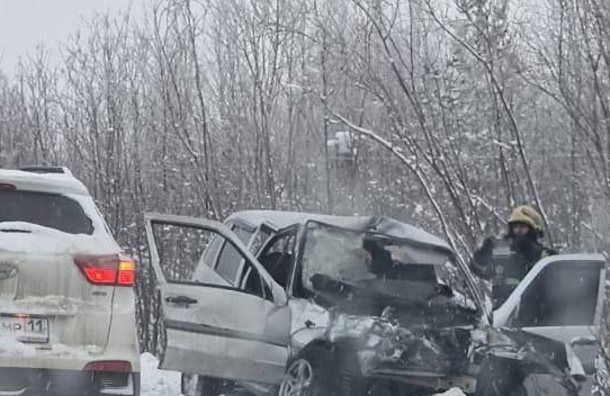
pixel 527 215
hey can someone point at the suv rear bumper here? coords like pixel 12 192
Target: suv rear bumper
pixel 26 382
pixel 59 357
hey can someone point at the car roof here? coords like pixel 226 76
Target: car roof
pixel 58 183
pixel 375 224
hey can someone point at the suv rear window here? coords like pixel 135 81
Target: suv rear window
pixel 49 210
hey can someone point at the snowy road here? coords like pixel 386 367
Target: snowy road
pixel 167 383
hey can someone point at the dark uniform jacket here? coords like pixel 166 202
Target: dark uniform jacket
pixel 506 262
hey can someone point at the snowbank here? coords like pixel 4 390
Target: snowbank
pixel 157 382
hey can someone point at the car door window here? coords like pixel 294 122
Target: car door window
pixel 260 237
pixel 278 256
pixel 563 294
pixel 252 283
pixel 229 260
pixel 181 248
pixel 211 252
pixel 243 232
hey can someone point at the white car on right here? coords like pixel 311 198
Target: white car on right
pixel 293 304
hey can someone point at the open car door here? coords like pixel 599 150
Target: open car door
pixel 232 325
pixel 561 298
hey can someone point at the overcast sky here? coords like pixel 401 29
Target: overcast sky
pixel 24 23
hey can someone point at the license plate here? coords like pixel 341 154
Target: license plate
pixel 25 328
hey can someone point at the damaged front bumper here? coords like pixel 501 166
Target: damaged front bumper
pixel 429 358
pixel 452 357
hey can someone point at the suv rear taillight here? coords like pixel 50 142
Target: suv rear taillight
pixel 127 272
pixel 108 270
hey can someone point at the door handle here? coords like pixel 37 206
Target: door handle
pixel 181 300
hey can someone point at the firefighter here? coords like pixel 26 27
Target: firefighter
pixel 506 260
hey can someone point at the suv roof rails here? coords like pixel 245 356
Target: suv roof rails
pixel 46 169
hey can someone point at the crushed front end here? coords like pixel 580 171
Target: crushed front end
pixel 403 318
pixel 406 357
pixel 494 362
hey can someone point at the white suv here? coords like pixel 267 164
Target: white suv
pixel 67 307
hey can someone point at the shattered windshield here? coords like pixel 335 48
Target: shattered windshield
pixel 381 264
pixel 336 253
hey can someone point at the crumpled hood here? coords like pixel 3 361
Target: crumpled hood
pixel 413 303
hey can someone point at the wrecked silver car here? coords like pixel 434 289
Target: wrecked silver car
pixel 288 304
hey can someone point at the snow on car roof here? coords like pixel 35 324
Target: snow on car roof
pixel 376 224
pixel 44 240
pixel 58 183
pixel 47 240
pixel 32 238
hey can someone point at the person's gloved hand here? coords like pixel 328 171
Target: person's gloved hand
pixel 483 254
pixel 482 264
pixel 487 246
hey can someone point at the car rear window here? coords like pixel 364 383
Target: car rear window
pixel 49 210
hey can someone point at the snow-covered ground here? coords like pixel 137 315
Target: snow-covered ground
pixel 156 382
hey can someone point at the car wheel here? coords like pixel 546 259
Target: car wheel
pixel 308 375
